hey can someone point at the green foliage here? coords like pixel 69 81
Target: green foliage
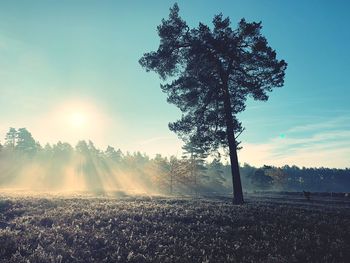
pixel 10 139
pixel 261 180
pixel 25 141
pixel 113 154
pixel 206 66
pixel 22 141
pixel 216 176
pixel 210 73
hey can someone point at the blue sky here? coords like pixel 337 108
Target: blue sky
pixel 60 59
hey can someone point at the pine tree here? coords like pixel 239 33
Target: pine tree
pixel 210 73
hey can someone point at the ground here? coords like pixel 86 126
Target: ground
pixel 279 228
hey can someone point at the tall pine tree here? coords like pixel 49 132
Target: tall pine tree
pixel 210 73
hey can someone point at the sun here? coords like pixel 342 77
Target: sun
pixel 78 119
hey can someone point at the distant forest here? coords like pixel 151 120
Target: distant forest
pixel 26 163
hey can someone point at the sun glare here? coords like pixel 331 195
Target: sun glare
pixel 74 120
pixel 78 119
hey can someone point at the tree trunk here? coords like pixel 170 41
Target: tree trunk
pixel 236 177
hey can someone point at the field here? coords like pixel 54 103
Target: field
pixel 268 228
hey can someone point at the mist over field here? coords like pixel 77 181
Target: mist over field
pixel 26 166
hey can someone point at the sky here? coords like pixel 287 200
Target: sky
pixel 69 71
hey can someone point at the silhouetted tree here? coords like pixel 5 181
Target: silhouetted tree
pixel 25 141
pixel 48 149
pixel 212 71
pixel 92 149
pixel 261 180
pixel 82 147
pixel 215 175
pixel 278 176
pixel 195 157
pixel 10 139
pixel 88 160
pixel 114 155
pixel 178 171
pixel 160 174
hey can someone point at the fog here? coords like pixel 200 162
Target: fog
pixel 69 172
pixel 27 167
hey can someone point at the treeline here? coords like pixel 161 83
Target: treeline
pixel 24 163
